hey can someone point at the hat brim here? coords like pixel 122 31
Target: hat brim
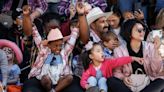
pixel 45 42
pixel 95 17
pixel 14 47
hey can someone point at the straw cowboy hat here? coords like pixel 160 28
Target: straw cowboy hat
pixel 96 13
pixel 14 47
pixel 54 34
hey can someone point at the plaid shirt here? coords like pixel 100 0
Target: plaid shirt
pixel 44 51
pixel 38 5
pixel 94 37
pixel 108 53
pixel 64 5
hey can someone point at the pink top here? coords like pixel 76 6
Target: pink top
pixel 106 68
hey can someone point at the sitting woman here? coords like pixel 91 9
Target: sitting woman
pixel 133 33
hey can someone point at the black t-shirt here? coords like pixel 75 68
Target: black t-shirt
pixel 136 65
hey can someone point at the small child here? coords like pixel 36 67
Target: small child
pixel 98 69
pixel 13 53
pixel 13 69
pixel 110 42
pixel 56 74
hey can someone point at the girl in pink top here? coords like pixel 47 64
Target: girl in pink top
pixel 98 69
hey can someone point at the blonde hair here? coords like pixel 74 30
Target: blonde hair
pixel 160 19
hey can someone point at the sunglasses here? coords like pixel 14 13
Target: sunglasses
pixel 140 30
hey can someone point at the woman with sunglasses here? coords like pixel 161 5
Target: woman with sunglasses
pixel 133 33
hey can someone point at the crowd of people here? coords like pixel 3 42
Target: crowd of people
pixel 81 46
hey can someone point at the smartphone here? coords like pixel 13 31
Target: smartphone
pixel 157 33
pixel 137 6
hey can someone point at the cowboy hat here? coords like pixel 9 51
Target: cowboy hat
pixel 53 35
pixel 96 13
pixel 14 47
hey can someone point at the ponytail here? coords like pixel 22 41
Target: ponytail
pixel 84 57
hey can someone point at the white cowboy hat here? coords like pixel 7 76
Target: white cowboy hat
pixel 96 13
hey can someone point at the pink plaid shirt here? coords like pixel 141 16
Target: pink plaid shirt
pixel 44 51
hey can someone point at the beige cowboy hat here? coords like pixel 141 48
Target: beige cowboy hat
pixel 96 13
pixel 53 35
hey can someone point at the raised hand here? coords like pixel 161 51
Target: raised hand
pixel 87 7
pixel 72 11
pixel 80 8
pixel 26 10
pixel 139 14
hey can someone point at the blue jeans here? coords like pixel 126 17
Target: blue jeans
pixel 101 83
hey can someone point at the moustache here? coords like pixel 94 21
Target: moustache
pixel 105 27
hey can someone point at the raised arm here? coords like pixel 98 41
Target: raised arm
pixel 27 23
pixel 84 29
pixel 38 7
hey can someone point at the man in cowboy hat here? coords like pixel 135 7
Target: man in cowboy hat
pixel 96 20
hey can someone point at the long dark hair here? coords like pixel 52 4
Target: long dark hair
pixel 84 57
pixel 127 27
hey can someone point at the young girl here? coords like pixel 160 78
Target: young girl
pixel 98 69
pixel 110 42
pixel 13 69
pixel 12 50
